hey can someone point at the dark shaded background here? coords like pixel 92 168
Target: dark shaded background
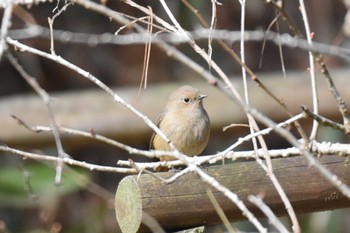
pixel 85 208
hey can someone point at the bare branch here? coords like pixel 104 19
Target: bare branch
pixel 319 59
pixel 46 99
pixel 69 161
pixel 312 70
pixel 5 25
pixel 324 121
pixel 267 211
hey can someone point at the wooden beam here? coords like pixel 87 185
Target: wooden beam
pixel 185 204
pixel 94 109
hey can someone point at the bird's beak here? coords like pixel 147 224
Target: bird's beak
pixel 200 97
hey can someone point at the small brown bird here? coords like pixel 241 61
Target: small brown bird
pixel 185 122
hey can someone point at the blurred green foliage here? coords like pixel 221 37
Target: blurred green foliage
pixel 34 184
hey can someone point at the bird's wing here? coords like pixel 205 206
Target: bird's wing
pixel 160 118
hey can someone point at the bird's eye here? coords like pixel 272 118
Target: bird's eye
pixel 186 100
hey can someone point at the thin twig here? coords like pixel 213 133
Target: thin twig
pixel 96 81
pixel 261 132
pixel 246 69
pixel 312 71
pixel 51 21
pixel 91 134
pixel 285 39
pixel 342 187
pixel 177 175
pixel 279 6
pixel 196 13
pixel 319 59
pixel 211 28
pixel 253 125
pixel 46 99
pixel 5 25
pixel 147 54
pixel 323 120
pixel 208 59
pixel 274 21
pixel 232 196
pixel 118 99
pixel 334 91
pixel 247 108
pixel 273 220
pixel 157 154
pixel 264 41
pixel 280 50
pixel 68 161
pixel 233 125
pixel 220 212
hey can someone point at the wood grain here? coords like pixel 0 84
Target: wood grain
pixel 94 109
pixel 185 204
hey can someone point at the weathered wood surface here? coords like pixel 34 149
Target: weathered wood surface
pixel 94 109
pixel 185 204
